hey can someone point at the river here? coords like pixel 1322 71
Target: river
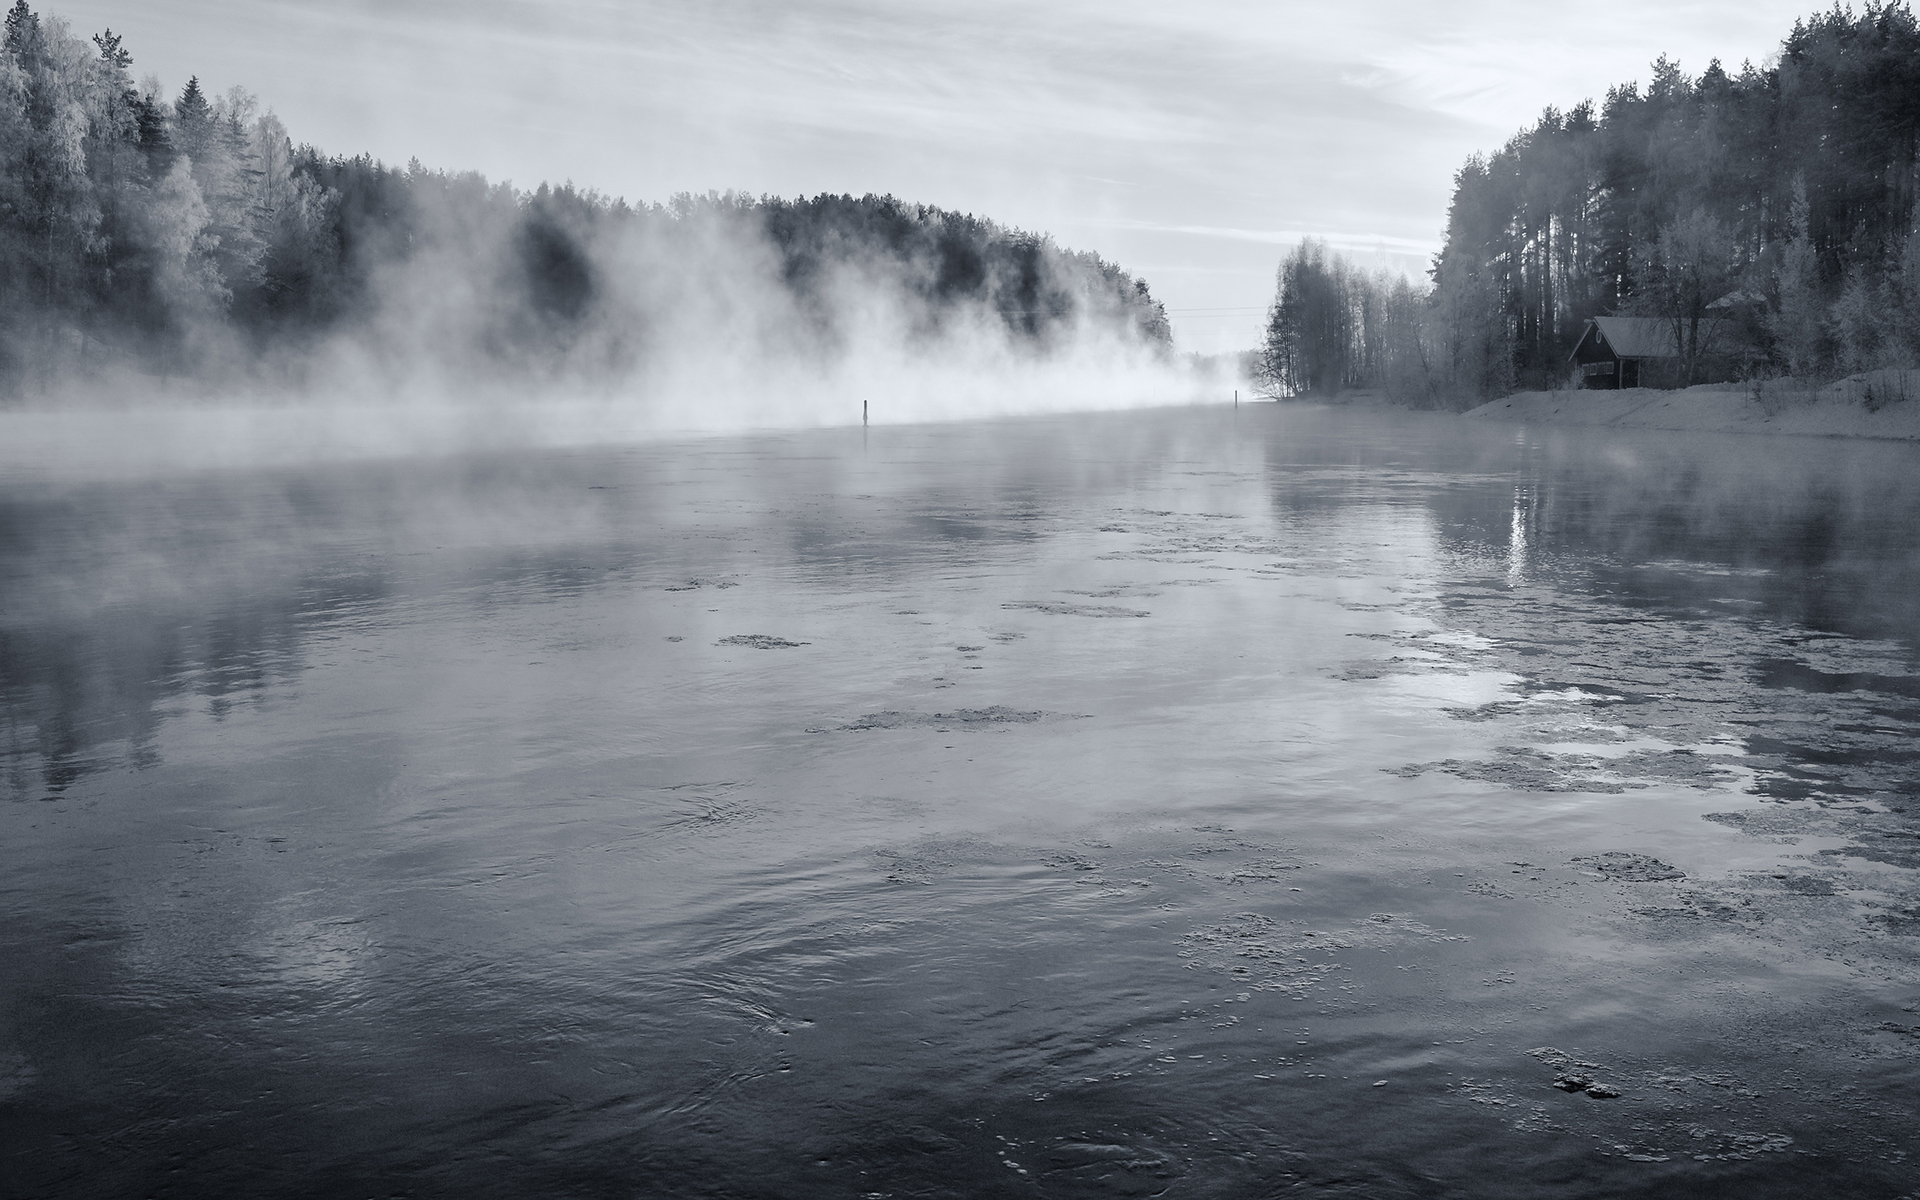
pixel 1192 802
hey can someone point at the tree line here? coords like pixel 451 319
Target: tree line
pixel 1784 191
pixel 193 235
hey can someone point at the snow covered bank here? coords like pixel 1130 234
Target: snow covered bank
pixel 1874 404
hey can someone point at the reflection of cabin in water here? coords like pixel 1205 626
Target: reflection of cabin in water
pixel 1625 352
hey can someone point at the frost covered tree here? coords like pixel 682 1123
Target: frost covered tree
pixel 1687 265
pixel 1806 166
pixel 1798 315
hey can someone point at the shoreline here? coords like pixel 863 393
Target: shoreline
pixel 1881 405
pixel 1875 405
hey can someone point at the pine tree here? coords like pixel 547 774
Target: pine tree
pixel 192 121
pixel 110 50
pixel 23 29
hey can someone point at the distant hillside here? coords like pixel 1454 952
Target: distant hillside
pixel 192 236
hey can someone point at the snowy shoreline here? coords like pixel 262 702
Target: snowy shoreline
pixel 1875 404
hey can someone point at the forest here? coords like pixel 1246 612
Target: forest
pixel 192 237
pixel 1768 213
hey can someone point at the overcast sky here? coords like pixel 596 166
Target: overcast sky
pixel 1191 142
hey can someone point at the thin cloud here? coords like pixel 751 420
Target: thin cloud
pixel 1289 237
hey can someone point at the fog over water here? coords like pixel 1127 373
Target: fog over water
pixel 1183 801
pixel 488 318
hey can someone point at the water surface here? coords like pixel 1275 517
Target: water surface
pixel 1173 803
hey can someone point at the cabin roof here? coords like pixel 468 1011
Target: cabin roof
pixel 1640 337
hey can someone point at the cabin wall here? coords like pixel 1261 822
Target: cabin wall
pixel 1669 373
pixel 1602 374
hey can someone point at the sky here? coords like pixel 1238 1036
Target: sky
pixel 1192 143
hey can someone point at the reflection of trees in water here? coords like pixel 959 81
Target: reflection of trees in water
pixel 1814 533
pixel 122 605
pixel 81 696
pixel 954 494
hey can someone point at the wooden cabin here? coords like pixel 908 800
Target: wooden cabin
pixel 1625 352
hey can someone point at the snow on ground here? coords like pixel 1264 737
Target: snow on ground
pixel 1874 404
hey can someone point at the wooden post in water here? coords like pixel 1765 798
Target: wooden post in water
pixel 863 412
pixel 1236 397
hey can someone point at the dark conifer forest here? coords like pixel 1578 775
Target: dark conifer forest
pixel 1768 210
pixel 190 236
